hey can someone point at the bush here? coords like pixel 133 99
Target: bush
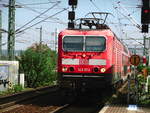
pixel 14 89
pixel 38 63
pixel 17 88
pixel 140 67
pixel 144 98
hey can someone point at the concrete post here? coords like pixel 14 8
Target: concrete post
pixel 21 81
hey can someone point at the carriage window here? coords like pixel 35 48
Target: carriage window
pixel 73 43
pixel 95 43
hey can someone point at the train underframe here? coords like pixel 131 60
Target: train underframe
pixel 82 82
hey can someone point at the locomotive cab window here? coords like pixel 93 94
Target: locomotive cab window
pixel 73 43
pixel 95 43
pixel 84 43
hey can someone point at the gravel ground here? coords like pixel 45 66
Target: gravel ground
pixel 42 104
pixel 32 109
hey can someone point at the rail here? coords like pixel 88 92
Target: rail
pixel 6 101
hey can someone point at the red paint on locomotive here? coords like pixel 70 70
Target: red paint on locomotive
pixel 80 56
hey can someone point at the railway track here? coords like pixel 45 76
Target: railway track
pixel 80 108
pixel 12 101
pixel 89 102
pixel 51 101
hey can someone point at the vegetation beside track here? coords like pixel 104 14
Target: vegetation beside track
pixel 143 89
pixel 122 95
pixel 14 89
pixel 144 85
pixel 38 63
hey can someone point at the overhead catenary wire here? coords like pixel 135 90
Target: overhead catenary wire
pixel 3 44
pixel 40 3
pixel 30 35
pixel 135 24
pixel 29 8
pixel 42 20
pixel 37 16
pixel 118 21
pixel 63 23
pixel 94 5
pixel 100 10
pixel 43 8
pixel 128 14
pixel 120 26
pixel 4 1
pixel 35 11
pixel 132 20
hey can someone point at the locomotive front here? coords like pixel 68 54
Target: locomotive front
pixel 82 59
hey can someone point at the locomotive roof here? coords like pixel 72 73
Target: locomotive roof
pixel 106 32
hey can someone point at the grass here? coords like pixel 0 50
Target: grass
pixel 13 90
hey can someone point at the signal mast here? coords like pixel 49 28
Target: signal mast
pixel 71 14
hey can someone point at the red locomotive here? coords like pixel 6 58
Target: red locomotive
pixel 91 58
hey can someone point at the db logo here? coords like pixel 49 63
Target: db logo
pixel 83 62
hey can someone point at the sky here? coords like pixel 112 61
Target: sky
pixel 125 17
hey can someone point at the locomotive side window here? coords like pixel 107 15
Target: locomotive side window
pixel 95 43
pixel 73 43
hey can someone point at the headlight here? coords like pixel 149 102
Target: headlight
pixel 71 69
pixel 103 70
pixel 95 69
pixel 83 55
pixel 64 69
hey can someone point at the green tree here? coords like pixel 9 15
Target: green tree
pixel 38 63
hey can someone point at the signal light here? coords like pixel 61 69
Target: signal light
pixel 144 28
pixel 144 60
pixel 71 15
pixel 145 3
pixel 145 15
pixel 72 2
pixel 145 12
pixel 71 25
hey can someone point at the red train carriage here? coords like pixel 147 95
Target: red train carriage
pixel 90 58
